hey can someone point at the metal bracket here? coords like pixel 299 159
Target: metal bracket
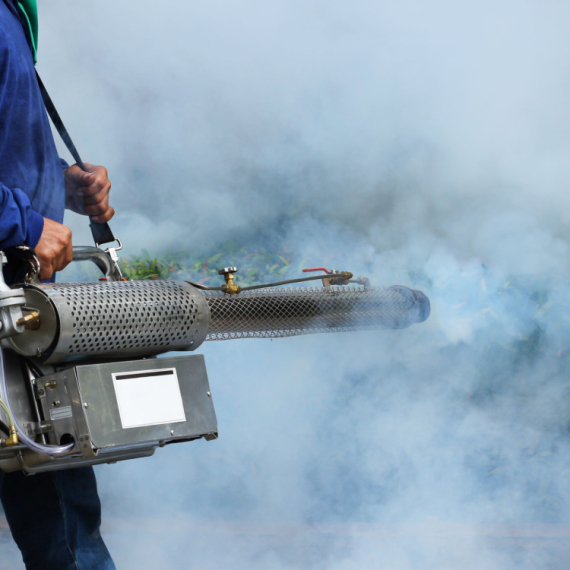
pixel 112 253
pixel 11 303
pixel 37 428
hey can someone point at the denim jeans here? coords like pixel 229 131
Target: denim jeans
pixel 55 518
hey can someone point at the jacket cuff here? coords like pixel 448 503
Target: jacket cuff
pixel 34 229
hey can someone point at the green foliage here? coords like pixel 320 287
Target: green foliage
pixel 256 264
pixel 147 267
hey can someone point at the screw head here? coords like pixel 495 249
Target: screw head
pixel 171 432
pixel 209 394
pixel 85 405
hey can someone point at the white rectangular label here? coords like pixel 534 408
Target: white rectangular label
pixel 149 397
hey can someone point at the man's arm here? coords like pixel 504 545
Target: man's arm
pixel 87 192
pixel 20 225
pixel 54 250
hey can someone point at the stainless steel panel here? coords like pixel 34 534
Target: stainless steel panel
pixel 101 410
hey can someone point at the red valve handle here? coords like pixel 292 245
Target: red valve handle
pixel 316 269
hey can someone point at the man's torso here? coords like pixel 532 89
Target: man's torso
pixel 28 156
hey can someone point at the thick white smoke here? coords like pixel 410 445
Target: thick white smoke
pixel 424 144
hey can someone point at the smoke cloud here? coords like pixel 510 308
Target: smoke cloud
pixel 422 144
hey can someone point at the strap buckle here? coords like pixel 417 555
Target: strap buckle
pixel 112 253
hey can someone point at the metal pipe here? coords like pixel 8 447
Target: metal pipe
pixel 271 313
pixel 141 318
pixel 275 283
pixel 99 258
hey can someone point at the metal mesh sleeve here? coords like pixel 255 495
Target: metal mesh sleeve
pixel 270 313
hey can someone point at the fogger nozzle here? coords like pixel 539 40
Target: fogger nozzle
pixel 271 313
pixel 143 318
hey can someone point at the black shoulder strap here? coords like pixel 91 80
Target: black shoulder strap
pixel 101 232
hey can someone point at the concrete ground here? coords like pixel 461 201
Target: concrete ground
pixel 172 544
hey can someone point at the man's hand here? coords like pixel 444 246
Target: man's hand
pixel 54 250
pixel 87 193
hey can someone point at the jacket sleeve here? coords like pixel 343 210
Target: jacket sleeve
pixel 19 224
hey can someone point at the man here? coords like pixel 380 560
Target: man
pixel 54 517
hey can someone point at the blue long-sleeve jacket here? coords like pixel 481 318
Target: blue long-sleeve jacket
pixel 31 175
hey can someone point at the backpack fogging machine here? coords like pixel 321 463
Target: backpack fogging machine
pixel 80 381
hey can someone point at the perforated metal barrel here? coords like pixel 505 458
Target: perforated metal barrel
pixel 114 319
pixel 270 313
pixel 143 318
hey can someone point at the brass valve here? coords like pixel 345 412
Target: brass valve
pixel 337 278
pixel 342 276
pixel 30 321
pixel 230 287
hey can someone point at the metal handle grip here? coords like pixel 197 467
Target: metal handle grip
pixel 100 258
